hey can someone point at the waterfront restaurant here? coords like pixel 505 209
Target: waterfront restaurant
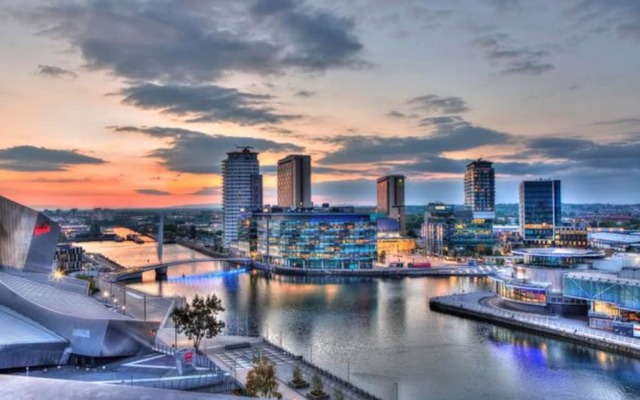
pixel 536 285
pixel 315 239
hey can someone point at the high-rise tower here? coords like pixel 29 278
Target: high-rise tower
pixel 390 193
pixel 480 189
pixel 241 189
pixel 540 211
pixel 294 182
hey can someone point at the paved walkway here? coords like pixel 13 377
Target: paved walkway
pixel 482 303
pixel 239 362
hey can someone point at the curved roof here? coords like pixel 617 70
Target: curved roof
pixel 58 300
pixel 558 252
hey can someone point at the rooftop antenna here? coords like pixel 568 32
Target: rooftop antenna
pixel 245 148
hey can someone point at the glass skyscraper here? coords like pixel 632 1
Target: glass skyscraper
pixel 241 189
pixel 480 189
pixel 540 211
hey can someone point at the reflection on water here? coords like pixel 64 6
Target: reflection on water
pixel 384 331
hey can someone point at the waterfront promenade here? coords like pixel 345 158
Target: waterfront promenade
pixel 384 272
pixel 480 306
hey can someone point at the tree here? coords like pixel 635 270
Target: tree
pixel 338 395
pixel 199 319
pixel 262 380
pixel 382 257
pixel 316 385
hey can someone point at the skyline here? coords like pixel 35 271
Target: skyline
pixel 136 105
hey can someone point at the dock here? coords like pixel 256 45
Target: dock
pixel 475 306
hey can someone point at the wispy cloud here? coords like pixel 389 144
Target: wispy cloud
pixel 31 158
pixel 52 71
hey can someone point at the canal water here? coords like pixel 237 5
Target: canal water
pixel 379 332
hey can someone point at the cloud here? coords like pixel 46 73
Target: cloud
pixel 373 148
pixel 205 103
pixel 55 72
pixel 195 41
pixel 153 192
pixel 619 122
pixel 514 60
pixel 305 93
pixel 317 39
pixel 444 123
pixel 433 104
pixel 206 191
pixel 31 158
pixel 401 115
pixel 198 153
pixel 622 15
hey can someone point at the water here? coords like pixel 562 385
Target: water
pixel 383 332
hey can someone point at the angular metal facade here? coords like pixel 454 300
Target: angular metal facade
pixel 27 238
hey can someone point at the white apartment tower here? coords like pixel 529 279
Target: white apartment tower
pixel 241 189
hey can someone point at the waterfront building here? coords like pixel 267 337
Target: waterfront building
pixel 537 283
pixel 571 236
pixel 294 182
pixel 614 240
pixel 241 189
pixel 450 231
pixel 480 189
pixel 540 212
pixel 315 239
pixel 27 238
pixel 613 293
pixel 45 316
pixel 390 196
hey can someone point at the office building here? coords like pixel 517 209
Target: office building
pixel 540 212
pixel 294 182
pixel 480 189
pixel 312 239
pixel 241 189
pixel 448 231
pixel 390 195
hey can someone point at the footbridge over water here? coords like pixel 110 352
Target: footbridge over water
pixel 161 269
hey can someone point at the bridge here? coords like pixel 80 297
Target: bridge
pixel 161 269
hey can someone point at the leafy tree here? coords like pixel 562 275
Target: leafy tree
pixel 316 385
pixel 199 319
pixel 382 257
pixel 297 374
pixel 338 395
pixel 262 380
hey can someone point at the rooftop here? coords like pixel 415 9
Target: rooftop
pixel 558 252
pixel 18 329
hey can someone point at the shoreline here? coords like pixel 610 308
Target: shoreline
pixel 374 272
pixel 467 306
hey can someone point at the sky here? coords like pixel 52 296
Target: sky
pixel 135 103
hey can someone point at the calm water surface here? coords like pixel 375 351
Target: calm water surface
pixel 383 332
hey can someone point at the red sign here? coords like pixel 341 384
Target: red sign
pixel 188 356
pixel 41 229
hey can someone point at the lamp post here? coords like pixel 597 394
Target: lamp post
pixel 396 384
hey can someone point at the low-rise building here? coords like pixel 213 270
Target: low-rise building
pixel 312 239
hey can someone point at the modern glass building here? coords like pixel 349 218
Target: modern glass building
pixel 315 239
pixel 241 189
pixel 294 182
pixel 538 281
pixel 614 299
pixel 448 231
pixel 480 189
pixel 540 211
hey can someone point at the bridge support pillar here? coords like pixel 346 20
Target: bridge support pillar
pixel 161 274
